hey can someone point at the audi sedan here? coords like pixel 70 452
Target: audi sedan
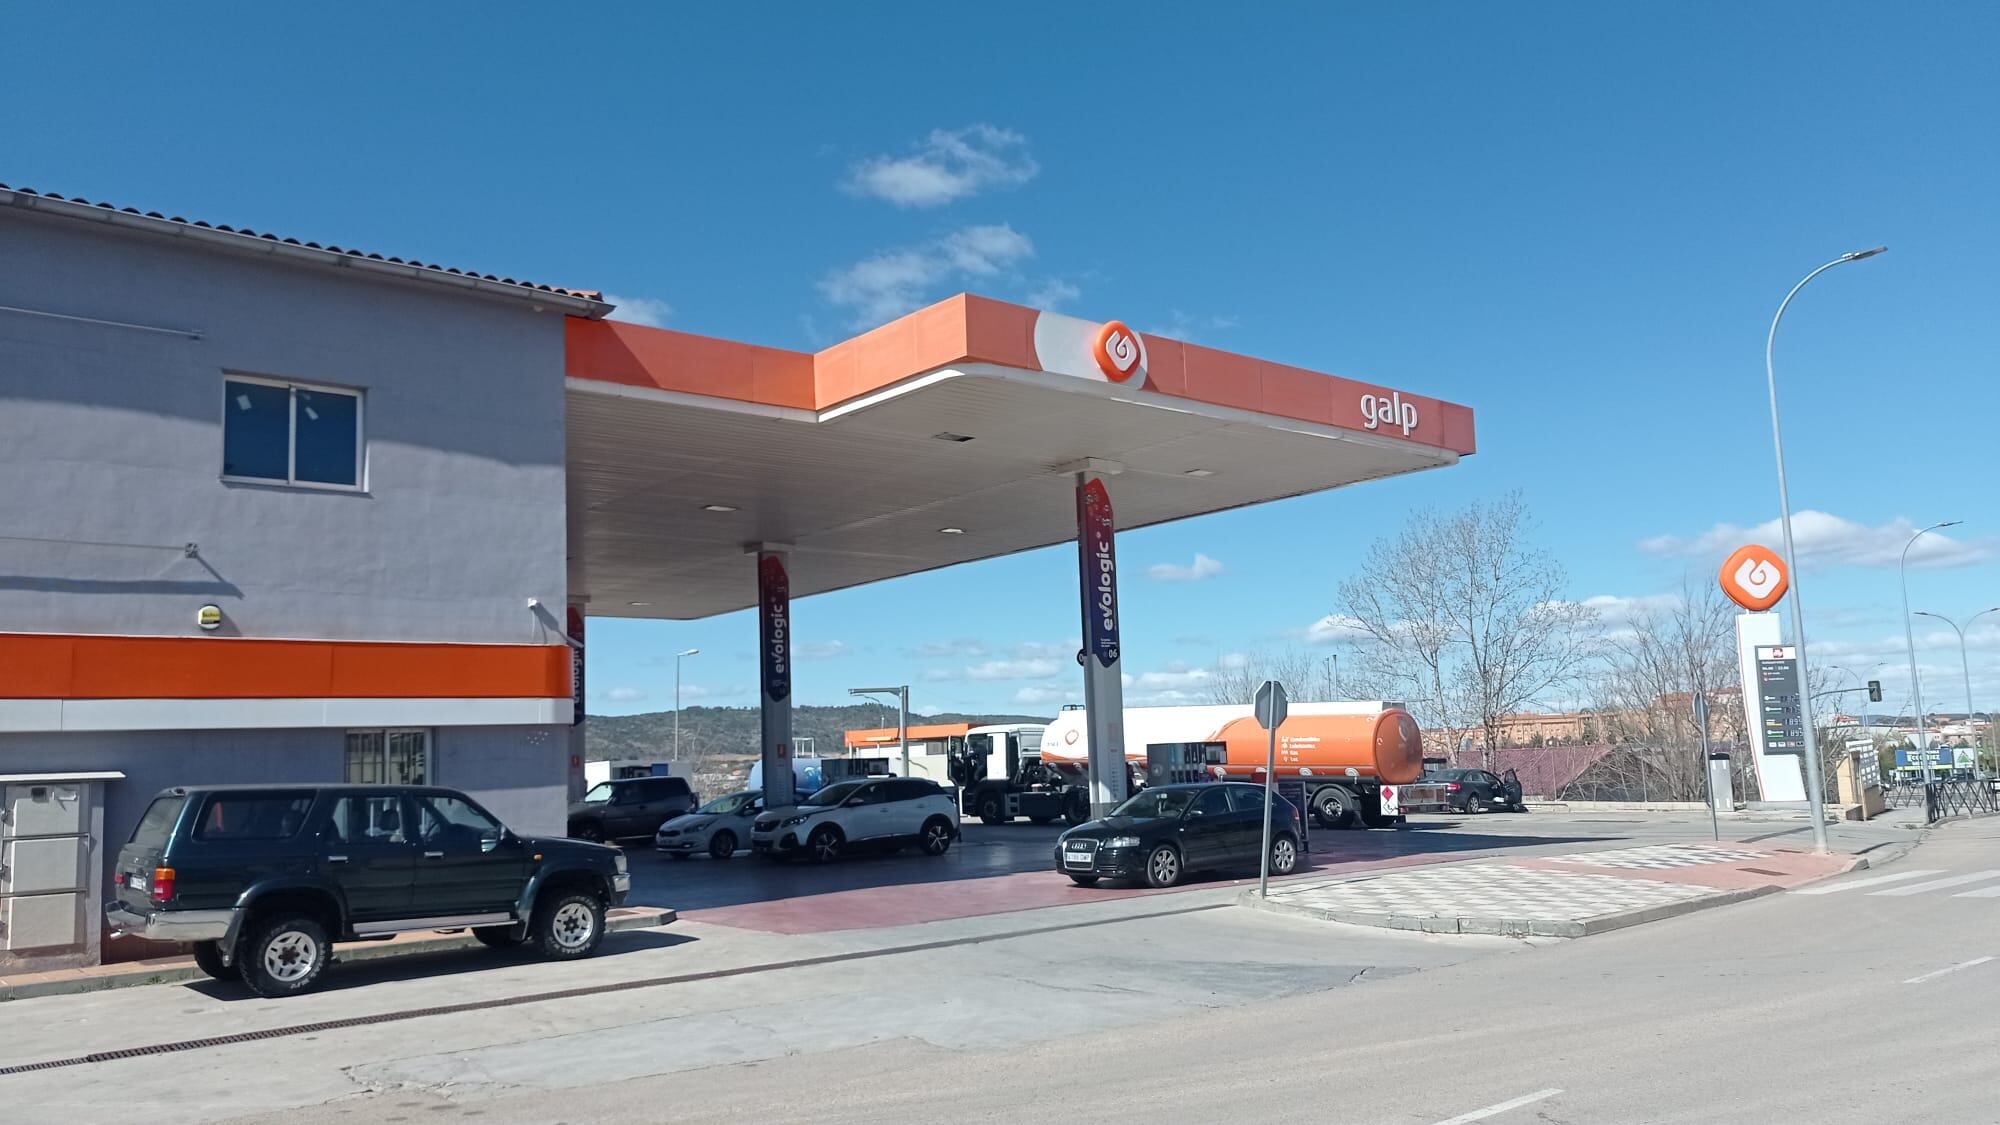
pixel 1162 834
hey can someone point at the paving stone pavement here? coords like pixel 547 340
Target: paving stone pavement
pixel 1498 890
pixel 1554 896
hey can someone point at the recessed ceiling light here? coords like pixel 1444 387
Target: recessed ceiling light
pixel 947 435
pixel 1201 472
pixel 951 531
pixel 717 508
pixel 638 603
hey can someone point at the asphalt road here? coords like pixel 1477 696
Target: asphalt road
pixel 1865 1005
pixel 1175 1007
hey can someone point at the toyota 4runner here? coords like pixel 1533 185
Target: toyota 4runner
pixel 262 879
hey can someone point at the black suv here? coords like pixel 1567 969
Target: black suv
pixel 263 878
pixel 631 806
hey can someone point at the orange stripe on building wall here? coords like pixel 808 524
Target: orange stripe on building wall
pixel 71 666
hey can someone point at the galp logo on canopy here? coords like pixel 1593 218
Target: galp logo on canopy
pixel 1108 352
pixel 1754 577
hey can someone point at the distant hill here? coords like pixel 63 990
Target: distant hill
pixel 721 742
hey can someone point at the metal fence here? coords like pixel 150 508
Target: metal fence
pixel 1953 797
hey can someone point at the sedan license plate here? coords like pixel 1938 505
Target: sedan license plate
pixel 1078 857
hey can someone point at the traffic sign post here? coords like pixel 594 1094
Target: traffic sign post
pixel 1707 771
pixel 1271 709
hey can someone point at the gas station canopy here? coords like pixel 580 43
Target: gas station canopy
pixel 949 435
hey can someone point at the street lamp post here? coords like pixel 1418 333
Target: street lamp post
pixel 1910 641
pixel 1965 666
pixel 677 698
pixel 1815 793
pixel 902 694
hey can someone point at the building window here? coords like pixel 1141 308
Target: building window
pixel 291 433
pixel 388 757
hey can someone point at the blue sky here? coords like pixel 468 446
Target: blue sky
pixel 1575 218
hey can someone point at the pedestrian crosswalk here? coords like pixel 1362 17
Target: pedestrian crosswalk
pixel 1898 884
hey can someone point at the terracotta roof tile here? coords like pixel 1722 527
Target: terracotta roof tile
pixel 585 294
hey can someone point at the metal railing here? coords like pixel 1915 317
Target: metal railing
pixel 1977 797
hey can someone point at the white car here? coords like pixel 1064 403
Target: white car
pixel 719 828
pixel 868 812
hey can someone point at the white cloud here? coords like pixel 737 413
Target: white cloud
pixel 1333 629
pixel 625 695
pixel 1202 567
pixel 1234 660
pixel 822 650
pixel 1037 669
pixel 1030 650
pixel 1823 537
pixel 1041 694
pixel 1182 326
pixel 1615 613
pixel 965 647
pixel 1053 293
pixel 949 164
pixel 894 282
pixel 1175 677
pixel 648 311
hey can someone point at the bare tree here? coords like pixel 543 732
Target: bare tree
pixel 1465 620
pixel 1657 664
pixel 1306 676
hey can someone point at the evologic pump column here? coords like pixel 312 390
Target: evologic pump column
pixel 1103 685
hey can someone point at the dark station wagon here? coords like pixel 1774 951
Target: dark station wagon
pixel 262 879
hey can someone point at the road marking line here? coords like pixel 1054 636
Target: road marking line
pixel 1939 884
pixel 1936 973
pixel 1983 892
pixel 1500 1107
pixel 1836 888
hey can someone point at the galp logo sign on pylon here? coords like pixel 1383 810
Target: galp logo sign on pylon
pixel 1754 577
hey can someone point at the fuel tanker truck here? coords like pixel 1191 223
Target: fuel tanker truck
pixel 1358 762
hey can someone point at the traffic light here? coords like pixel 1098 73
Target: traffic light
pixel 1874 691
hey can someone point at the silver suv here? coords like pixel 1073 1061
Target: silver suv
pixel 885 813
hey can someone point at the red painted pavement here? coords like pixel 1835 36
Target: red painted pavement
pixel 910 904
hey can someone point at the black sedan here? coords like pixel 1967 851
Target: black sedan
pixel 1477 791
pixel 1165 832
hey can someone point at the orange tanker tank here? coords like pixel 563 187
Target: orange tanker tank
pixel 1385 747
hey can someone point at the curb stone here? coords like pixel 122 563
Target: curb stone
pixel 345 953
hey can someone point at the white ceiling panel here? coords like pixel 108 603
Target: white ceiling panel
pixel 861 496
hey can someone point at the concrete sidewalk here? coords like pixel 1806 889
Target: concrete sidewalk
pixel 1558 896
pixel 166 970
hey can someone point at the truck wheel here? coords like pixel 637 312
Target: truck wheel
pixel 1163 866
pixel 1335 807
pixel 824 844
pixel 991 811
pixel 567 925
pixel 1076 809
pixel 498 937
pixel 936 836
pixel 1084 880
pixel 284 956
pixel 722 845
pixel 1284 855
pixel 208 958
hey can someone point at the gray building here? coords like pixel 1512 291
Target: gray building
pixel 274 511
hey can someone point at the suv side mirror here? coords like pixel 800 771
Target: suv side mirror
pixel 853 802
